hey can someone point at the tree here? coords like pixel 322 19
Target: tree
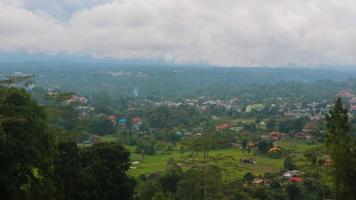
pixel 248 177
pixel 105 167
pixel 264 146
pixel 339 144
pixel 26 148
pixel 171 177
pixel 292 191
pixel 288 163
pixel 102 127
pixel 68 170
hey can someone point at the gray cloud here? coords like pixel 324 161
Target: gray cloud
pixel 224 32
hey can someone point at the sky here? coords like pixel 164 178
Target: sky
pixel 245 33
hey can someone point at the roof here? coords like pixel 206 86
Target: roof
pixel 136 120
pixel 122 120
pixel 112 117
pixel 296 179
pixel 274 149
pixel 257 181
pixel 222 126
pixel 275 133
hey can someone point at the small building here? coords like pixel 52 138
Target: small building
pixel 292 173
pixel 122 121
pixel 222 126
pixel 251 145
pixel 76 99
pixel 327 162
pixel 248 161
pixel 346 94
pixel 302 135
pixel 112 118
pixel 94 139
pixel 274 150
pixel 137 121
pixel 296 179
pixel 276 135
pixel 258 181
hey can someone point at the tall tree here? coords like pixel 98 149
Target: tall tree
pixel 26 147
pixel 68 170
pixel 339 145
pixel 105 176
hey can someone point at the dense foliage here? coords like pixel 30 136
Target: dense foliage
pixel 35 166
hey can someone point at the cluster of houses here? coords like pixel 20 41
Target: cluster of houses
pixel 293 176
pixel 123 121
pixel 128 73
pixel 350 97
pixel 203 104
pixel 76 99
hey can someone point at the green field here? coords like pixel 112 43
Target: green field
pixel 157 163
pixel 296 145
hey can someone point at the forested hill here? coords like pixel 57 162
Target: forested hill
pixel 162 81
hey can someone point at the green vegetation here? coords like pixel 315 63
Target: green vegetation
pixel 157 163
pixel 267 143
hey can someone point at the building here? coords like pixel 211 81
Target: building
pixel 276 135
pixel 122 121
pixel 222 126
pixel 302 135
pixel 137 121
pixel 76 99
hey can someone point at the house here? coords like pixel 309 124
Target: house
pixel 222 126
pixel 276 135
pixel 302 135
pixel 327 162
pixel 85 142
pixel 274 150
pixel 292 173
pixel 248 161
pixel 296 179
pixel 353 108
pixel 265 137
pixel 137 121
pixel 112 118
pixel 258 181
pixel 53 92
pixel 122 121
pixel 315 118
pixel 76 99
pixel 345 94
pixel 352 101
pixel 254 107
pixel 135 162
pixel 95 139
pixel 251 145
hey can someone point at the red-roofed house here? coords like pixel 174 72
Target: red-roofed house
pixel 112 118
pixel 346 94
pixel 137 121
pixel 296 179
pixel 353 107
pixel 222 126
pixel 275 135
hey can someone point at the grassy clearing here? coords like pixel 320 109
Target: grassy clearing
pixel 109 138
pixel 157 163
pixel 296 145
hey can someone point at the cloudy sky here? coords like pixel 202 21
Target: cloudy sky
pixel 217 32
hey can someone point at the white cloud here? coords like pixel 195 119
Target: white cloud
pixel 224 32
